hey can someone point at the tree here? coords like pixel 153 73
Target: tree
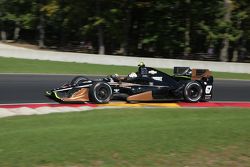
pixel 3 20
pixel 228 7
pixel 169 29
pixel 187 49
pixel 18 13
pixel 45 9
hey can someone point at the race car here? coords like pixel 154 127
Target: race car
pixel 146 85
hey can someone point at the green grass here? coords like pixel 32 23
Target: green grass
pixel 226 75
pixel 128 137
pixel 12 65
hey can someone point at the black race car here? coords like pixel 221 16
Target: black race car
pixel 148 84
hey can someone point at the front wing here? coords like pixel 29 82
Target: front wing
pixel 71 95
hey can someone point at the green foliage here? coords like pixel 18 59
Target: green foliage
pixel 50 8
pixel 19 12
pixel 149 28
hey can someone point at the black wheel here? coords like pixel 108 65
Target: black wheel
pixel 100 93
pixel 193 91
pixel 78 80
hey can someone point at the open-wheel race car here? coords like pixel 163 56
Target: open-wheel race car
pixel 146 85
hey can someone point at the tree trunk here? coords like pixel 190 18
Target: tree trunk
pixel 17 31
pixel 41 29
pixel 62 37
pixel 126 27
pixel 3 32
pixel 242 50
pixel 224 50
pixel 187 49
pixel 101 40
pixel 3 35
pixel 227 18
pixel 101 47
pixel 235 55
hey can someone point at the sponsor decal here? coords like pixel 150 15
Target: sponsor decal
pixel 157 78
pixel 116 90
pixel 208 89
pixel 152 72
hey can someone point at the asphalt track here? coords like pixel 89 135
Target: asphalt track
pixel 27 88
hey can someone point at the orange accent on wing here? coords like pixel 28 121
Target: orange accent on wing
pixel 198 74
pixel 145 96
pixel 81 95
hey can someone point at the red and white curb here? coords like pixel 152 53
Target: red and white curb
pixel 7 110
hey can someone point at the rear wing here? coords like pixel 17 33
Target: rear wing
pixel 195 74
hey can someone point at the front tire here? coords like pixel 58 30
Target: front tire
pixel 78 80
pixel 100 92
pixel 193 92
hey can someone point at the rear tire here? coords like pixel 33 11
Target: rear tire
pixel 100 92
pixel 193 92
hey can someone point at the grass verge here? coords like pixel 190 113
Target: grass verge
pixel 12 65
pixel 128 137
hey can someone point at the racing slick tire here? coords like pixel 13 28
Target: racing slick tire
pixel 193 92
pixel 78 80
pixel 100 92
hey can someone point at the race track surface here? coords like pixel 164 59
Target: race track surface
pixel 27 88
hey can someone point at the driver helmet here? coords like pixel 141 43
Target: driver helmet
pixel 141 64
